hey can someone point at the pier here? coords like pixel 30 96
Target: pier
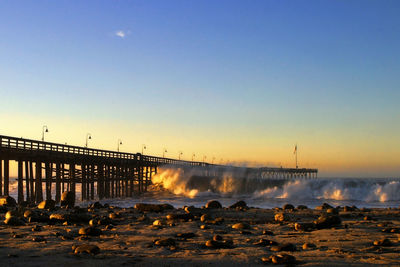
pixel 44 167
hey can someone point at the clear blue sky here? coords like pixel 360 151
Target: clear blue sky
pixel 247 79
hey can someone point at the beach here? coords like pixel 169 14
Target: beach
pixel 159 234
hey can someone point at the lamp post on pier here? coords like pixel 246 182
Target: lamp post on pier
pixel 180 154
pixel 204 158
pixel 44 130
pixel 119 143
pixel 164 151
pixel 88 137
pixel 212 161
pixel 193 155
pixel 143 148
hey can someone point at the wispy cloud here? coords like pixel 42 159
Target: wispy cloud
pixel 121 33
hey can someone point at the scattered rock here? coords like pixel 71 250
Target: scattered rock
pixel 383 243
pixel 96 205
pixel 267 232
pixel 332 211
pixel 165 242
pixel 37 228
pixel 38 239
pixel 288 207
pixel 193 210
pixel 85 248
pixel 283 259
pixel 67 199
pixel 186 235
pixel 157 223
pixel 327 221
pixel 14 221
pixel 89 231
pixel 184 217
pixel 47 204
pixel 219 244
pixel 213 204
pixel 11 213
pixel 265 242
pixel 308 246
pixel 304 226
pixel 205 217
pixel 324 206
pixel 284 247
pixel 239 205
pixel 240 226
pixel 7 201
pixel 281 217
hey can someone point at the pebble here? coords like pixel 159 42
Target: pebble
pixel 165 242
pixel 327 221
pixel 280 217
pixel 324 206
pixel 14 221
pixel 288 207
pixel 241 226
pixel 383 243
pixel 48 204
pixel 304 226
pixel 7 201
pixel 284 247
pixel 143 207
pixel 90 231
pixel 239 205
pixel 308 246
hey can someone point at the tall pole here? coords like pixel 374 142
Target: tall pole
pixel 44 130
pixel 88 136
pixel 180 154
pixel 193 155
pixel 163 153
pixel 119 143
pixel 143 148
pixel 295 152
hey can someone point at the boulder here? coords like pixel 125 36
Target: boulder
pixel 327 221
pixel 213 204
pixel 47 204
pixel 14 221
pixel 383 243
pixel 284 247
pixel 239 205
pixel 280 217
pixel 11 213
pixel 304 226
pixel 91 231
pixel 219 244
pixel 164 242
pixel 7 201
pixel 285 259
pixel 67 199
pixel 324 206
pixel 288 207
pixel 302 207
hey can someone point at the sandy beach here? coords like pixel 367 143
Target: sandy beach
pixel 161 235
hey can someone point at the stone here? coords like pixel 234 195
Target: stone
pixel 186 235
pixel 280 217
pixel 37 228
pixel 265 242
pixel 14 221
pixel 143 207
pixel 7 201
pixel 38 239
pixel 239 226
pixel 11 213
pixel 239 205
pixel 267 232
pixel 219 244
pixel 113 215
pixel 67 199
pixel 85 248
pixel 193 210
pixel 157 223
pixel 213 204
pixel 90 231
pixel 204 227
pixel 327 221
pixel 164 242
pixel 184 217
pixel 304 226
pixel 288 207
pixel 383 243
pixel 308 246
pixel 59 216
pixel 205 217
pixel 324 206
pixel 284 247
pixel 96 205
pixel 47 204
pixel 283 259
pixel 332 211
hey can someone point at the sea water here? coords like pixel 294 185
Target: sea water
pixel 179 188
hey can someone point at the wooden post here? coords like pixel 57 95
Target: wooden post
pixel 27 181
pixel 31 177
pixel 38 182
pixel 83 184
pixel 112 181
pixel 100 181
pixel 92 183
pixel 1 177
pixel 58 182
pixel 6 176
pixel 72 178
pixel 20 181
pixel 48 180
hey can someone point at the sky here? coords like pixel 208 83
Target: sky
pixel 229 81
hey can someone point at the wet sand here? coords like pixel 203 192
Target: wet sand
pixel 129 237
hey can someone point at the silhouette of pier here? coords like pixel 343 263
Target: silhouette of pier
pixel 99 173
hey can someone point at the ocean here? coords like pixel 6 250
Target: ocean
pixel 182 188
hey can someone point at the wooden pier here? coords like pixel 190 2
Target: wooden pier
pixel 44 168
